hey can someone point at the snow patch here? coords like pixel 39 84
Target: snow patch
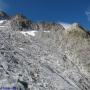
pixel 75 24
pixel 47 31
pixel 32 33
pixel 66 25
pixel 2 21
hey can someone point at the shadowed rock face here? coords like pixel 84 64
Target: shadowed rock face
pixel 51 59
pixel 3 15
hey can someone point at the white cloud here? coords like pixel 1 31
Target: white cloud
pixel 88 15
pixel 87 12
pixel 3 5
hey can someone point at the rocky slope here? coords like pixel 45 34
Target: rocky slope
pixel 44 56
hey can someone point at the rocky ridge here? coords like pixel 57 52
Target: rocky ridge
pixel 20 22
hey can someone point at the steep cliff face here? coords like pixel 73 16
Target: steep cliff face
pixel 44 57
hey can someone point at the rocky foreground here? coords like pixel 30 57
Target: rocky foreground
pixel 43 56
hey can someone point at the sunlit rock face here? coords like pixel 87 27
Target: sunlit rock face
pixel 44 56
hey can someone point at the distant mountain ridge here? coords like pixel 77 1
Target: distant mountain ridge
pixel 21 21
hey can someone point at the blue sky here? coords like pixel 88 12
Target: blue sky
pixel 67 11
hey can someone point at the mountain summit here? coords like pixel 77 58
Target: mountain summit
pixel 43 55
